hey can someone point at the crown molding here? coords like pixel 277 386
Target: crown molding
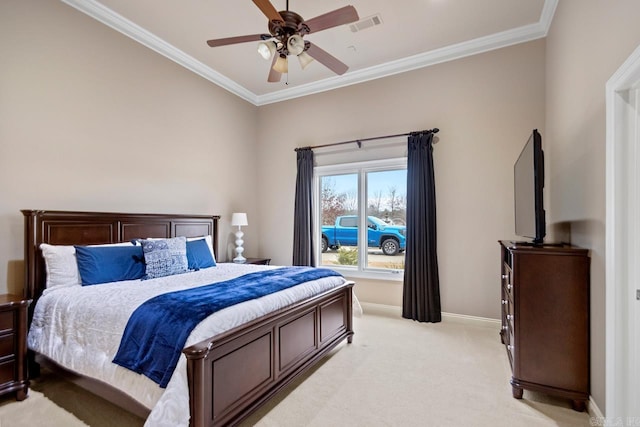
pixel 483 44
pixel 437 56
pixel 548 11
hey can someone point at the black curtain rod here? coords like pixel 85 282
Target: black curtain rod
pixel 360 141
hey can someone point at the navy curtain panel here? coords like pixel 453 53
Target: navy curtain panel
pixel 421 293
pixel 303 246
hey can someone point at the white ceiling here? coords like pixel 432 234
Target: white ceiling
pixel 413 34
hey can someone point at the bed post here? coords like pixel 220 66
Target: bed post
pixel 29 256
pixel 199 392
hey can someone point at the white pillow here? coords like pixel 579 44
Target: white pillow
pixel 61 264
pixel 60 261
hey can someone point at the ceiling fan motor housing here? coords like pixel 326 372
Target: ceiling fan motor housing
pixel 293 25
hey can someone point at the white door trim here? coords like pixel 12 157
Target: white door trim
pixel 623 209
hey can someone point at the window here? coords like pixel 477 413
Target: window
pixel 361 212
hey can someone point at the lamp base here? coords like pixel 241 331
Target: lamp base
pixel 239 249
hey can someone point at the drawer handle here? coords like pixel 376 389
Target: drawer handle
pixel 505 302
pixel 509 286
pixel 505 276
pixel 509 316
pixel 511 347
pixel 504 328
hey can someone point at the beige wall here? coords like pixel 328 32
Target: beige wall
pixel 587 43
pixel 91 120
pixel 485 107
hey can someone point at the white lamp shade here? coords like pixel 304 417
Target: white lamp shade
pixel 295 45
pixel 281 65
pixel 305 59
pixel 239 219
pixel 266 49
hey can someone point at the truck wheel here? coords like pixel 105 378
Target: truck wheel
pixel 390 246
pixel 325 244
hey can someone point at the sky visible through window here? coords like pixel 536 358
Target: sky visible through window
pixel 378 182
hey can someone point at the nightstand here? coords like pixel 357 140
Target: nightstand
pixel 13 345
pixel 262 261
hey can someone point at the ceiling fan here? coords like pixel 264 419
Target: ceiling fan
pixel 286 32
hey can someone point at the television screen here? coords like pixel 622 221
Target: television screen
pixel 528 186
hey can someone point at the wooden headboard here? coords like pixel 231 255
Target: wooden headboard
pixel 94 228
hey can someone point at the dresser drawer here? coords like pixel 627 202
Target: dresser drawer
pixel 507 281
pixel 7 320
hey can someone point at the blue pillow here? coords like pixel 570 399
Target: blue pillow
pixel 198 255
pixel 165 257
pixel 109 264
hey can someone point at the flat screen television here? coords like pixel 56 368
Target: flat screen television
pixel 528 188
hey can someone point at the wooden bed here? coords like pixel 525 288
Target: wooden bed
pixel 230 375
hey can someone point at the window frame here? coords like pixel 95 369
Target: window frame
pixel 360 169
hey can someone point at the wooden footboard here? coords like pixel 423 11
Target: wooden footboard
pixel 233 374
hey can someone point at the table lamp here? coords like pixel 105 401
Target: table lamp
pixel 239 219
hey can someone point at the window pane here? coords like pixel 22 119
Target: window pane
pixel 339 221
pixel 386 218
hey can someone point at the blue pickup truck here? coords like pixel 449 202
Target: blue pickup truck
pixel 389 238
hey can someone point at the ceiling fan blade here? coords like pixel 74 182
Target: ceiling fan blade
pixel 274 76
pixel 267 8
pixel 326 59
pixel 238 39
pixel 344 15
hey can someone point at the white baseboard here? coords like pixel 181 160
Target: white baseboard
pixel 395 311
pixel 481 321
pixel 594 411
pixel 388 310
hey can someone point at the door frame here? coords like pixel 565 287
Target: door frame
pixel 622 236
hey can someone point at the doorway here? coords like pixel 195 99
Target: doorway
pixel 623 241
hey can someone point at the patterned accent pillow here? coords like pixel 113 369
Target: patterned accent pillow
pixel 165 257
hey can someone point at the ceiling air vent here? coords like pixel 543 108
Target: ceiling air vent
pixel 365 23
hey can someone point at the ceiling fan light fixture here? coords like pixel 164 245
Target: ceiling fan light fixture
pixel 295 45
pixel 281 65
pixel 305 59
pixel 266 49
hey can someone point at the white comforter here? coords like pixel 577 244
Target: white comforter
pixel 80 328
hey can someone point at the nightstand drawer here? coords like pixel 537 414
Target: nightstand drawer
pixel 6 320
pixel 7 345
pixel 7 371
pixel 13 345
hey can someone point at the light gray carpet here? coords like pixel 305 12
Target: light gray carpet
pixel 37 410
pixel 395 373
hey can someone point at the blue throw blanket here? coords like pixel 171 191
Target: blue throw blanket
pixel 157 330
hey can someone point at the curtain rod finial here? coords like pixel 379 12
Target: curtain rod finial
pixel 435 130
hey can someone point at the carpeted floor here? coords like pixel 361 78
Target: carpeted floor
pixel 395 373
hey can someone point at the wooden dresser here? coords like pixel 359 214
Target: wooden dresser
pixel 545 319
pixel 13 345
